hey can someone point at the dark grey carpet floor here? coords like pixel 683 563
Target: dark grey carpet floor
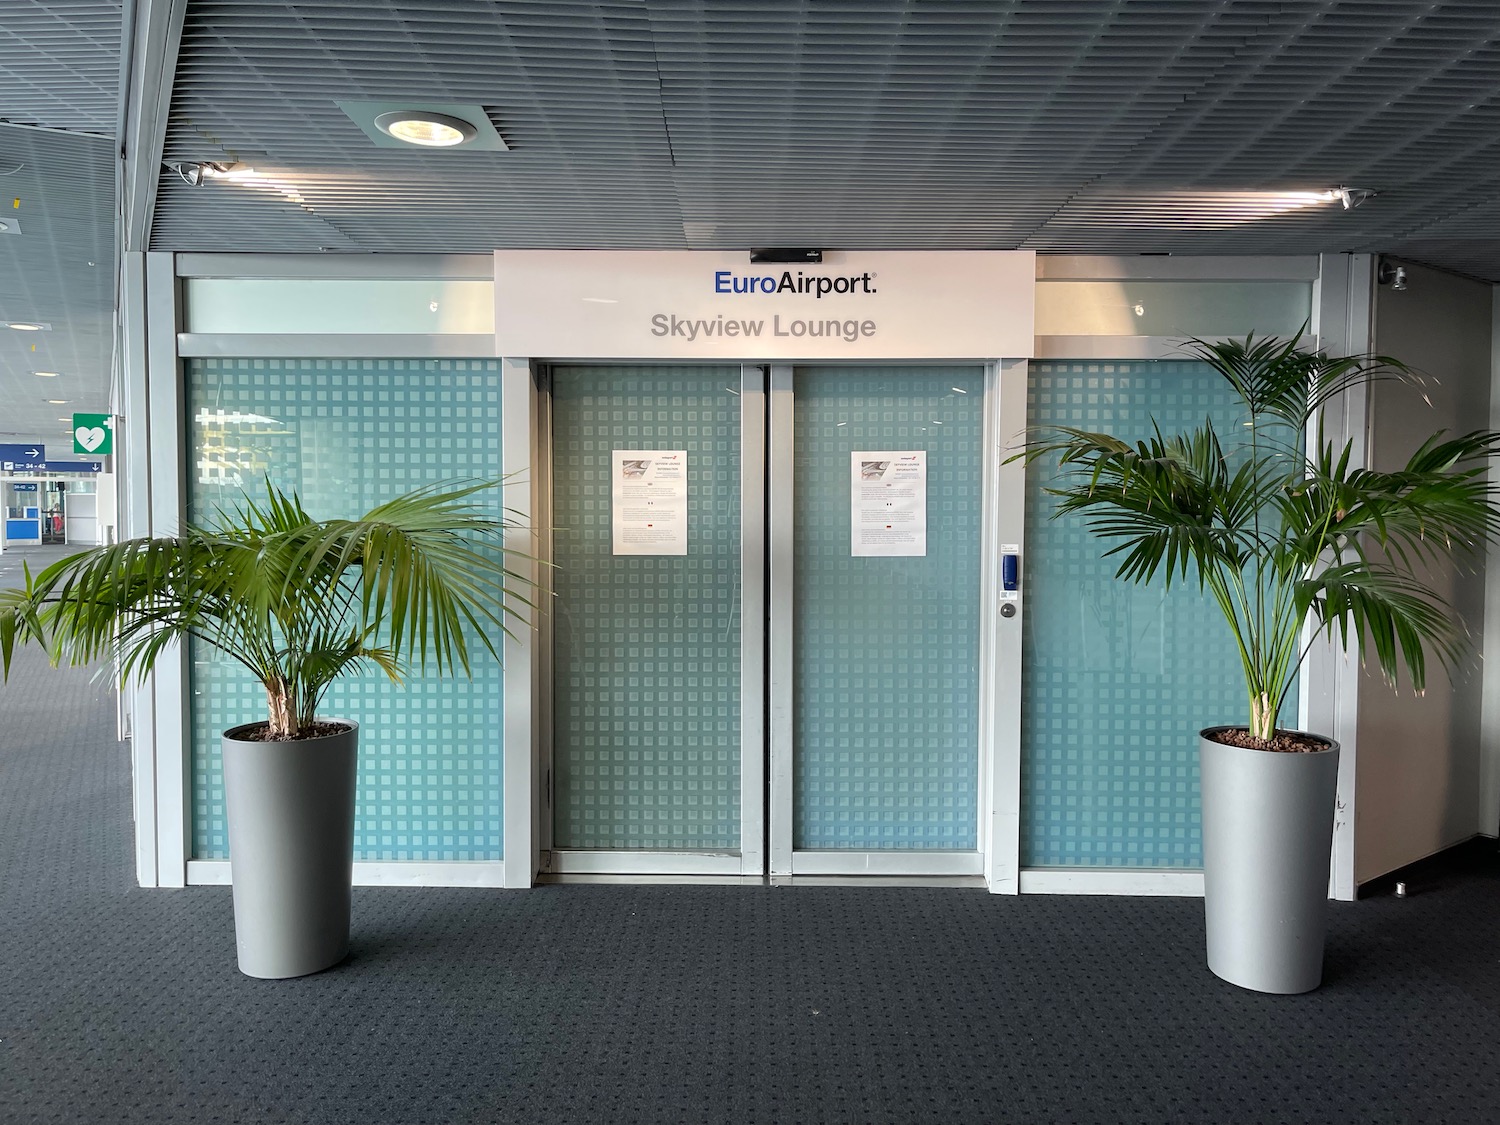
pixel 683 1004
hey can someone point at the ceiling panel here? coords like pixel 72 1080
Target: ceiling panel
pixel 59 270
pixel 1070 125
pixel 1059 125
pixel 60 64
pixel 59 82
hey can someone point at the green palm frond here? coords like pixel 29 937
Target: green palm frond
pixel 1399 620
pixel 297 601
pixel 1282 379
pixel 1278 537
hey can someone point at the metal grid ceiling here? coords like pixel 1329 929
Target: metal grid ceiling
pixel 60 64
pixel 59 270
pixel 59 99
pixel 1104 125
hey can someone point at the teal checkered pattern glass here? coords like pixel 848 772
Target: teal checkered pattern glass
pixel 346 435
pixel 886 726
pixel 646 711
pixel 1118 678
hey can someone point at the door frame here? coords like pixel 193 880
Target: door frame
pixel 996 854
pixel 766 853
pixel 730 865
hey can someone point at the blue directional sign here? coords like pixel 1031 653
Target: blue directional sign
pixel 24 458
pixel 75 466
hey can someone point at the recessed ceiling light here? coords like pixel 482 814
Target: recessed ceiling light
pixel 423 124
pixel 421 127
pixel 58 401
pixel 45 374
pixel 25 326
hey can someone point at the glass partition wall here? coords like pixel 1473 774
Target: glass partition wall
pixel 659 676
pixel 1118 678
pixel 346 435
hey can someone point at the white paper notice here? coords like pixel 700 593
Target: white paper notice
pixel 648 500
pixel 888 509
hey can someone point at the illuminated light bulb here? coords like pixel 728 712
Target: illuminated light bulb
pixel 430 130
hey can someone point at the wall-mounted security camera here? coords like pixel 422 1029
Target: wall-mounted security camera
pixel 1392 275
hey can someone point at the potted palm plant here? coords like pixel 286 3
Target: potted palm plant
pixel 1283 534
pixel 300 602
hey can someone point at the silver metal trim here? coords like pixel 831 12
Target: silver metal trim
pixel 170 459
pixel 272 345
pixel 546 640
pixel 1489 720
pixel 752 620
pixel 347 267
pixel 782 621
pixel 1112 347
pixel 654 880
pixel 1160 882
pixel 133 433
pixel 912 862
pixel 522 676
pixel 149 66
pixel 1328 697
pixel 569 861
pixel 1001 649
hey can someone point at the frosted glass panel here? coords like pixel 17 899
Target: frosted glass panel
pixel 294 305
pixel 887 649
pixel 1118 678
pixel 647 648
pixel 346 435
pixel 1171 308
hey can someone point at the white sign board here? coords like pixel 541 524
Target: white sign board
pixel 888 503
pixel 648 501
pixel 708 305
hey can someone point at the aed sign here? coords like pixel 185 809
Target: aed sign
pixel 603 304
pixel 93 433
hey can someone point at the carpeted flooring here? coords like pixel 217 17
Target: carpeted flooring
pixel 627 1004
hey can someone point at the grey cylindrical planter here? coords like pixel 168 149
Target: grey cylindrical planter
pixel 1267 839
pixel 290 807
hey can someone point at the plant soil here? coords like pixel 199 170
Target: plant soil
pixel 261 732
pixel 1285 742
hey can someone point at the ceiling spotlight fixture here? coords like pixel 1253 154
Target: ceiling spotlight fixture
pixel 229 172
pixel 45 374
pixel 1350 197
pixel 195 172
pixel 25 326
pixel 455 126
pixel 1392 275
pixel 421 127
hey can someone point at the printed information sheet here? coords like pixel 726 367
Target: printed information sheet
pixel 648 501
pixel 888 509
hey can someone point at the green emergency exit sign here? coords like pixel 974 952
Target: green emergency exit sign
pixel 94 433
